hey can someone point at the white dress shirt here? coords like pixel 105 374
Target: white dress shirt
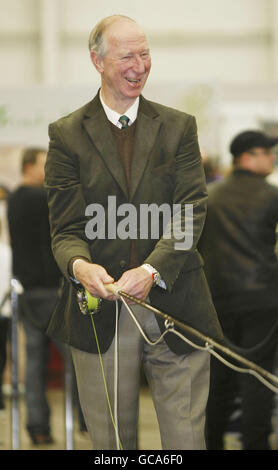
pixel 113 116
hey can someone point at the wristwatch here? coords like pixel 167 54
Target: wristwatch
pixel 155 274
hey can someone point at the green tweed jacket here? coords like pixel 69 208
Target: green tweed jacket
pixel 83 168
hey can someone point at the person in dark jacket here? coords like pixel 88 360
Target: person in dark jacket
pixel 238 246
pixel 34 266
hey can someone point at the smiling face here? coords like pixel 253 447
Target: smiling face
pixel 125 66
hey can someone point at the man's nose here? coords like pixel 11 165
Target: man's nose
pixel 139 65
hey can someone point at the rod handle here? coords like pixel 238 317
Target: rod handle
pixel 111 288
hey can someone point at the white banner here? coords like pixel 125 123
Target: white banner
pixel 25 113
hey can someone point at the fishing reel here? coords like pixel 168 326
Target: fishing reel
pixel 87 303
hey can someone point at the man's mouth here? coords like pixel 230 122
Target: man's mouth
pixel 133 80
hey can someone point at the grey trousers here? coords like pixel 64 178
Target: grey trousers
pixel 179 386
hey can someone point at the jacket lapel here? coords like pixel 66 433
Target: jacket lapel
pixel 98 128
pixel 148 124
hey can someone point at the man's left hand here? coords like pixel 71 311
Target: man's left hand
pixel 136 282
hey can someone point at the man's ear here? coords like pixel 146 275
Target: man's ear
pixel 97 61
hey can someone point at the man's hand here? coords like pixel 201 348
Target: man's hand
pixel 137 282
pixel 93 277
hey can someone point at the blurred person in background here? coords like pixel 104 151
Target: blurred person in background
pixel 238 246
pixel 211 168
pixel 5 305
pixel 34 266
pixel 5 310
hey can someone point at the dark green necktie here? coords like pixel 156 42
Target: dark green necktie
pixel 124 121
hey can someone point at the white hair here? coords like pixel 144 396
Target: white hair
pixel 96 38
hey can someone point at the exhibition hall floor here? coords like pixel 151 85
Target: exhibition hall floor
pixel 148 429
pixel 148 436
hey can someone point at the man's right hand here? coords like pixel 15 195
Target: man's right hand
pixel 93 277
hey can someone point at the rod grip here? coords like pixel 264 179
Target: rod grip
pixel 111 288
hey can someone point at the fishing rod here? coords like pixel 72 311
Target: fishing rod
pixel 91 304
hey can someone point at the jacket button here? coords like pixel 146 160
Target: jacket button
pixel 122 263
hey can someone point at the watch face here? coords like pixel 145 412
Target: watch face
pixel 156 278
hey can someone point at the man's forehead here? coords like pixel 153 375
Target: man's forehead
pixel 124 33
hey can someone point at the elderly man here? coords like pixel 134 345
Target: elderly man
pixel 123 148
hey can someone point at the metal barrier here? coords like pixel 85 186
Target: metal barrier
pixel 16 290
pixel 69 422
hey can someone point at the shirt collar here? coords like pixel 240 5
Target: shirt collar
pixel 113 116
